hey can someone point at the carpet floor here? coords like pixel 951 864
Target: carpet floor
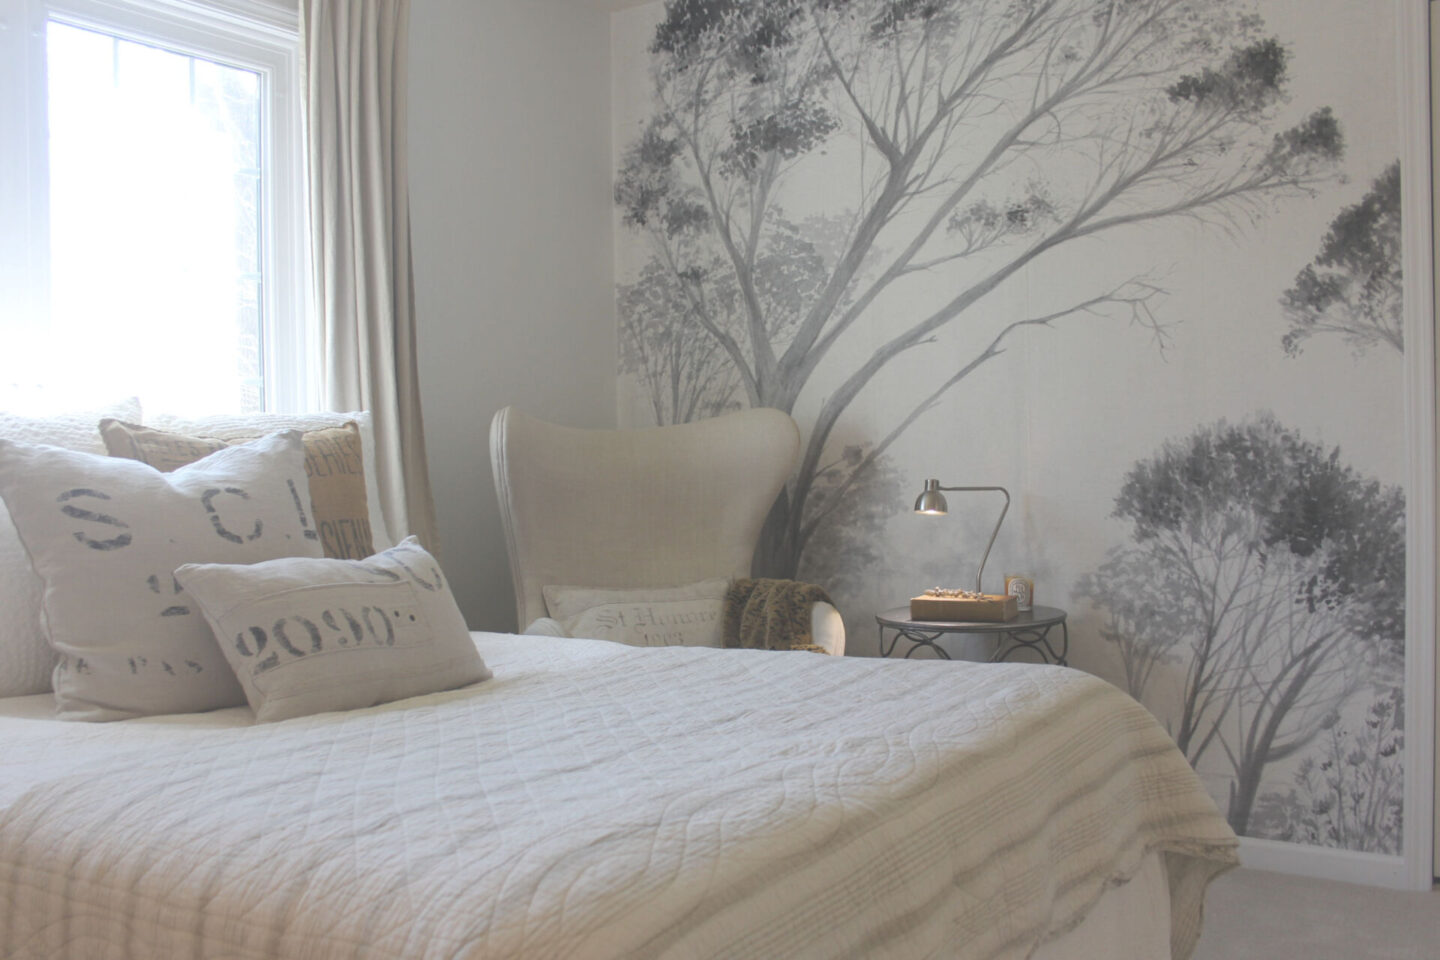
pixel 1254 915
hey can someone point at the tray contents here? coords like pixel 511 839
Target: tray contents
pixel 957 605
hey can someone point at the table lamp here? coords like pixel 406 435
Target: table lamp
pixel 931 502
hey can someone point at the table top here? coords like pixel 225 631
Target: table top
pixel 899 618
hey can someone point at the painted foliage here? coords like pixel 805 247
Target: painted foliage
pixel 1273 576
pixel 1080 248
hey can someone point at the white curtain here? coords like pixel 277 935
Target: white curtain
pixel 355 76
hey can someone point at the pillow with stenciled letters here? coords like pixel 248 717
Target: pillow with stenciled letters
pixel 105 535
pixel 247 426
pixel 334 464
pixel 310 636
pixel 689 615
pixel 26 660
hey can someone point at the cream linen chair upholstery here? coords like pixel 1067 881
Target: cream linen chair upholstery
pixel 652 507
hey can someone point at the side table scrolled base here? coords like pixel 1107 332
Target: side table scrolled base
pixel 1042 631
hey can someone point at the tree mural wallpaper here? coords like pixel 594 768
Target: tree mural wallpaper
pixel 1353 288
pixel 1106 252
pixel 1276 576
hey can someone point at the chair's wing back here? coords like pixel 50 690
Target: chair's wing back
pixel 659 506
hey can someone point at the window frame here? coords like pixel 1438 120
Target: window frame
pixel 256 35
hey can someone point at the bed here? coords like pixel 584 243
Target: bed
pixel 596 800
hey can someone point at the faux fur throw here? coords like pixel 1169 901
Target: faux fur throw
pixel 771 614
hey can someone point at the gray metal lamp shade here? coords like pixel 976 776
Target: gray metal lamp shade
pixel 931 503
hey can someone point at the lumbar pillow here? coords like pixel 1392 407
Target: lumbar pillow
pixel 688 616
pixel 334 464
pixel 248 426
pixel 26 660
pixel 105 536
pixel 307 636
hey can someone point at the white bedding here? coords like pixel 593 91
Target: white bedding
pixel 597 800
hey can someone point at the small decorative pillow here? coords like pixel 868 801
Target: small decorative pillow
pixel 248 426
pixel 26 660
pixel 687 616
pixel 307 636
pixel 105 535
pixel 334 463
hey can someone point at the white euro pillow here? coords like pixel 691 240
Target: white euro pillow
pixel 26 660
pixel 105 536
pixel 309 636
pixel 248 425
pixel 691 615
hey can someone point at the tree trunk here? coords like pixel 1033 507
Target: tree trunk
pixel 1243 791
pixel 775 554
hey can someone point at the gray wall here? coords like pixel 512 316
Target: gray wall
pixel 511 212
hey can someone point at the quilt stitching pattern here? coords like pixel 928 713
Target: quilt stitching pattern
pixel 595 800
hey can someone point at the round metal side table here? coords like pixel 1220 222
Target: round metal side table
pixel 1031 631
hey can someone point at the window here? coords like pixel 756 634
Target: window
pixel 152 206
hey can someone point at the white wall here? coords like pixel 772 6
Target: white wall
pixel 510 205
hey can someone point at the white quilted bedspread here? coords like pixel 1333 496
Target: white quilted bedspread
pixel 594 800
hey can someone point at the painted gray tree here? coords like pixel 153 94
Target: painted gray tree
pixel 1354 287
pixel 1271 575
pixel 1347 790
pixel 975 137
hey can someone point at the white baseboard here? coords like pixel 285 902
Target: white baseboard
pixel 1323 863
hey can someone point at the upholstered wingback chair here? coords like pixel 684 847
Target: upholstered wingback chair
pixel 650 507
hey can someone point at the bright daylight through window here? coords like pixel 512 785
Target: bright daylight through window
pixel 162 246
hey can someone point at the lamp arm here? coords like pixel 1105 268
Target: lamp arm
pixel 994 533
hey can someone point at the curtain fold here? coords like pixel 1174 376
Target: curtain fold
pixel 356 55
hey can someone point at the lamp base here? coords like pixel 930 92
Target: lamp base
pixel 988 608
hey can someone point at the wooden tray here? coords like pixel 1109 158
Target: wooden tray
pixel 991 607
